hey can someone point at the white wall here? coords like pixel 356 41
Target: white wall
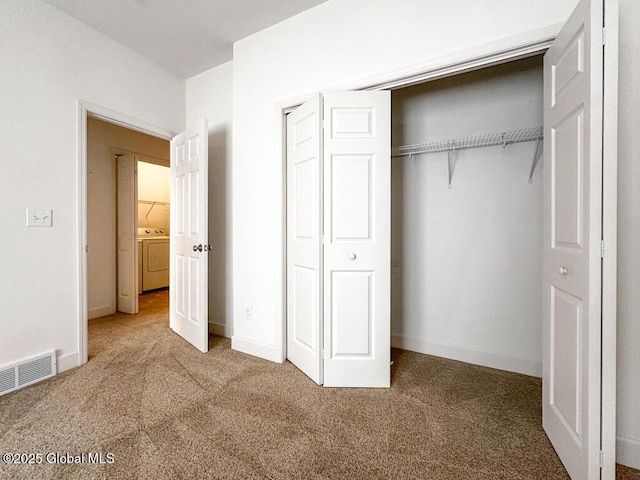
pixel 104 141
pixel 628 448
pixel 153 181
pixel 466 272
pixel 48 62
pixel 154 196
pixel 209 95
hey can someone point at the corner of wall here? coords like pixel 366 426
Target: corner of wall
pixel 67 361
pixel 628 452
pixel 257 349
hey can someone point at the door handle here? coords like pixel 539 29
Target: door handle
pixel 197 248
pixel 563 271
pixel 353 256
pixel 207 247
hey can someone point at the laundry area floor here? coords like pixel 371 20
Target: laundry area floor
pixel 164 410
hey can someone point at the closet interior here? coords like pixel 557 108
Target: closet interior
pixel 466 217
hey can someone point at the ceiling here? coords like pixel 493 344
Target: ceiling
pixel 186 37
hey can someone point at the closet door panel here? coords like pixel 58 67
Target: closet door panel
pixel 357 176
pixel 352 302
pixel 304 249
pixel 566 138
pixel 577 132
pixel 352 195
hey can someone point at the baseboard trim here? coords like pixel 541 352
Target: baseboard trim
pixel 492 360
pixel 257 349
pixel 102 311
pixel 67 361
pixel 220 329
pixel 628 452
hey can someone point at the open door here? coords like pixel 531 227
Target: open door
pixel 127 235
pixel 188 275
pixel 579 124
pixel 304 247
pixel 339 238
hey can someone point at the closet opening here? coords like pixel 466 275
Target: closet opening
pixel 466 217
pixel 414 220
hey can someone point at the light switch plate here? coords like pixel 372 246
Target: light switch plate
pixel 37 217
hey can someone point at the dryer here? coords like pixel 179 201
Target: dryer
pixel 155 258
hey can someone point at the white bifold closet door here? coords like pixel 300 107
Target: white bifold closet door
pixel 188 269
pixel 304 241
pixel 579 127
pixel 338 238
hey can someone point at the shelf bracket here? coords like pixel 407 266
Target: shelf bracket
pixel 451 156
pixel 535 160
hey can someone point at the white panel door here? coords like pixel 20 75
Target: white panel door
pixel 357 230
pixel 189 237
pixel 304 250
pixel 127 235
pixel 573 182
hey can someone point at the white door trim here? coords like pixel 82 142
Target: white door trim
pixel 84 110
pixel 610 239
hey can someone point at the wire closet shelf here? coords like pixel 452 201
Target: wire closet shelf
pixel 486 140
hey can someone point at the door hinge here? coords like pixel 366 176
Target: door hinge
pixel 601 459
pixel 86 248
pixel 322 239
pixel 323 353
pixel 601 248
pixel 604 36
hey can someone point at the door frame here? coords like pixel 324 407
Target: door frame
pixel 84 110
pixel 510 49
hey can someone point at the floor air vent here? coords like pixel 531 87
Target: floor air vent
pixel 25 372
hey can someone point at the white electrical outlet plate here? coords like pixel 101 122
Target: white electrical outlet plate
pixel 37 217
pixel 247 312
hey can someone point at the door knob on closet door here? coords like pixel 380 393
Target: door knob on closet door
pixel 353 256
pixel 563 271
pixel 207 247
pixel 197 248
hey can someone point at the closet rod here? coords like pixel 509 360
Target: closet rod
pixel 487 140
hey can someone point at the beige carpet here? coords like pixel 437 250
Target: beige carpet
pixel 166 411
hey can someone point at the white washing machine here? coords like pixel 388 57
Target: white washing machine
pixel 155 258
